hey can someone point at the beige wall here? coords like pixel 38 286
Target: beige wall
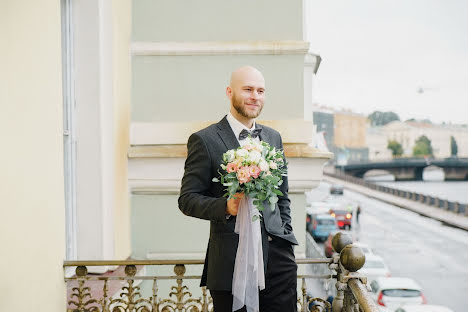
pixel 32 217
pixel 121 21
pixel 350 130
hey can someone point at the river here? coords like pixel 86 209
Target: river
pixel 433 184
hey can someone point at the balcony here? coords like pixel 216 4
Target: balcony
pixel 120 290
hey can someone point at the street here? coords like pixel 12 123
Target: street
pixel 434 255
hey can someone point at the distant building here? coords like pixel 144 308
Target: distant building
pixel 407 133
pixel 325 123
pixel 344 132
pixel 377 143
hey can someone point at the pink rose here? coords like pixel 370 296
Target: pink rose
pixel 248 147
pixel 231 167
pixel 254 171
pixel 243 175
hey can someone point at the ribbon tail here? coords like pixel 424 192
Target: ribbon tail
pixel 249 274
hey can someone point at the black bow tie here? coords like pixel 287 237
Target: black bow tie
pixel 245 133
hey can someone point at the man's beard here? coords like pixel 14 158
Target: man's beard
pixel 241 109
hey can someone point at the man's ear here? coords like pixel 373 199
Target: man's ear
pixel 229 92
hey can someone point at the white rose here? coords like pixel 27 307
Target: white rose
pixel 272 153
pixel 254 156
pixel 230 156
pixel 273 165
pixel 263 165
pixel 242 153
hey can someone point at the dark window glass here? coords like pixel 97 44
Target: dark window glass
pixel 402 293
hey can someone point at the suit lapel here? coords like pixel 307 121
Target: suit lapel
pixel 264 134
pixel 227 135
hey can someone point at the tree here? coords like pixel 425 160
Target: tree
pixel 453 147
pixel 422 147
pixel 378 118
pixel 395 147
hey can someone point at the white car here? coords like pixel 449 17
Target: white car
pixel 394 292
pixel 318 207
pixel 422 308
pixel 374 267
pixel 366 249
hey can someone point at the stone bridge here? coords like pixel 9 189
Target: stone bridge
pixel 455 169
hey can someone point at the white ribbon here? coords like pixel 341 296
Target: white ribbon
pixel 249 274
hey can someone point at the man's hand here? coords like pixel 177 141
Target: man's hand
pixel 233 204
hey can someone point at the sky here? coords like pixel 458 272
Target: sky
pixel 406 56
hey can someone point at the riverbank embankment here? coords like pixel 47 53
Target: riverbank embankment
pixel 448 217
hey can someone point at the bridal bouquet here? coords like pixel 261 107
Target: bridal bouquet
pixel 256 169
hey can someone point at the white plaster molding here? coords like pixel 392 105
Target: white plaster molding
pixel 93 73
pixel 220 48
pixel 312 60
pixel 156 176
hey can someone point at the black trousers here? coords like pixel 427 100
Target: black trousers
pixel 280 293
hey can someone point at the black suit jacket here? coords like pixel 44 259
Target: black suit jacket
pixel 202 198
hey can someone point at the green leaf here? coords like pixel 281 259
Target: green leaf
pixel 255 218
pixel 273 200
pixel 272 207
pixel 227 184
pixel 215 180
pixel 260 206
pixel 278 192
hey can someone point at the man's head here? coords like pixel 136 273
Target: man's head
pixel 247 94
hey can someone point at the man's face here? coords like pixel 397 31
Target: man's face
pixel 248 99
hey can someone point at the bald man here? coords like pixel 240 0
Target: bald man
pixel 202 198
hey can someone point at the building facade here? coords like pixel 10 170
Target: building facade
pixel 101 97
pixel 407 133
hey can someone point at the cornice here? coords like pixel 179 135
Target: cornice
pixel 291 150
pixel 286 47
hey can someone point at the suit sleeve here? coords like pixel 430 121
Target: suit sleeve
pixel 195 199
pixel 284 203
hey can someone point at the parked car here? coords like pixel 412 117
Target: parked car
pixel 328 249
pixel 343 217
pixel 366 249
pixel 423 308
pixel 393 292
pixel 336 189
pixel 319 207
pixel 374 267
pixel 321 225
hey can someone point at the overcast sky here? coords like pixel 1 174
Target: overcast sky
pixel 376 55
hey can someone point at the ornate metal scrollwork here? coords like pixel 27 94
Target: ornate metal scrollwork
pixel 82 302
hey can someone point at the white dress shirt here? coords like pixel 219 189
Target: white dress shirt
pixel 238 126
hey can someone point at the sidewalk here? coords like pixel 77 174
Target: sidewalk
pixel 447 217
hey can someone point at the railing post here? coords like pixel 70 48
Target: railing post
pixel 352 295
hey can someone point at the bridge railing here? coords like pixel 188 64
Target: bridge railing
pixel 429 200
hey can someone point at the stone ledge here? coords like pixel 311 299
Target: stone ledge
pixel 291 150
pixel 285 47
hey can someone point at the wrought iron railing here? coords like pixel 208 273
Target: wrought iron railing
pixel 93 293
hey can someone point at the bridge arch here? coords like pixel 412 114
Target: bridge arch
pixel 433 173
pixel 378 175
